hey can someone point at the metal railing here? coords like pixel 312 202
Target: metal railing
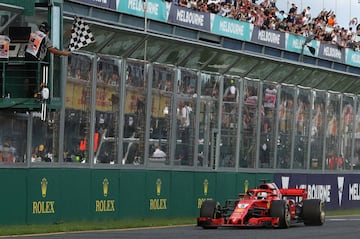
pixel 20 82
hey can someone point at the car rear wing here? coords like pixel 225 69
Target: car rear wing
pixel 294 192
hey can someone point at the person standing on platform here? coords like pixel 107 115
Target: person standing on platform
pixel 38 46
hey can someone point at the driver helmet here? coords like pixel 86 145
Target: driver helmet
pixel 262 195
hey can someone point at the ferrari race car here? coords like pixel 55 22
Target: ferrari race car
pixel 265 206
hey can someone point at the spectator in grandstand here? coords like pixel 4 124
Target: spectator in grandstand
pixel 251 97
pixel 293 8
pixel 129 79
pixel 266 124
pixel 100 73
pixel 8 152
pixel 270 95
pixel 168 85
pixel 187 85
pixel 190 89
pixel 340 162
pixel 78 74
pixel 352 24
pixel 266 15
pixel 214 6
pixel 183 3
pixel 4 56
pixel 114 79
pixel 233 13
pixel 331 20
pixel 230 93
pixel 265 139
pixel 273 3
pixel 306 16
pixel 291 17
pixel 202 6
pixel 38 46
pixel 1 153
pixel 251 101
pixel 43 154
pixel 327 37
pixel 158 153
pixel 224 9
pixel 129 128
pixel 230 97
pixel 185 127
pixel 280 15
pixel 242 4
pixel 37 153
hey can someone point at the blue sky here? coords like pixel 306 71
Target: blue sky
pixel 344 9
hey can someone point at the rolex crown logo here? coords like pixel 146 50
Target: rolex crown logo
pixel 206 186
pixel 158 186
pixel 105 187
pixel 44 183
pixel 246 185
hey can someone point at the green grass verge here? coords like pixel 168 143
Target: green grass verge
pixel 343 212
pixel 121 224
pixel 87 226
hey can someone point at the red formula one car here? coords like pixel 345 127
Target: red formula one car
pixel 265 206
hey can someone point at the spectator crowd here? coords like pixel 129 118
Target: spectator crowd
pixel 266 15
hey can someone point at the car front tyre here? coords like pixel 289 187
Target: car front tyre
pixel 280 209
pixel 209 209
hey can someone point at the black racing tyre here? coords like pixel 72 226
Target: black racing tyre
pixel 209 209
pixel 313 212
pixel 280 209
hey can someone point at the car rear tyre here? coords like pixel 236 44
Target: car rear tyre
pixel 313 212
pixel 280 209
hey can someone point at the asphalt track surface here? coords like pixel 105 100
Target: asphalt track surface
pixel 334 228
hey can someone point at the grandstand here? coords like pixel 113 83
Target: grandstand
pixel 190 54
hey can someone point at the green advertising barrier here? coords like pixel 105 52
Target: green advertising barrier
pixel 58 195
pixel 43 199
pixel 13 196
pixel 226 187
pixel 158 194
pixel 132 194
pixel 105 195
pixel 50 195
pixel 252 180
pixel 74 197
pixel 205 187
pixel 183 201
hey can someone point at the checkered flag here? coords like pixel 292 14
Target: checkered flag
pixel 81 35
